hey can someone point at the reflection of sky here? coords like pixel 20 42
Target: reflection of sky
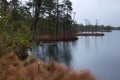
pixel 101 56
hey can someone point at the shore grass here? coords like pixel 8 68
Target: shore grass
pixel 58 38
pixel 11 68
pixel 67 37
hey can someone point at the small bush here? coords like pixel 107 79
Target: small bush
pixel 15 37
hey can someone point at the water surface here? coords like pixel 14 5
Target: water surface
pixel 100 55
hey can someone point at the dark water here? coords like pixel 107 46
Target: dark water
pixel 100 55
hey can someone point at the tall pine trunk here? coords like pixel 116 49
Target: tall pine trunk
pixel 36 17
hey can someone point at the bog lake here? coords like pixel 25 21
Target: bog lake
pixel 99 55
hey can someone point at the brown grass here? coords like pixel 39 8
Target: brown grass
pixel 58 38
pixel 11 68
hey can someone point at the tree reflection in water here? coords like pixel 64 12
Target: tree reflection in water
pixel 60 52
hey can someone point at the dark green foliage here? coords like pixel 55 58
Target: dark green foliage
pixel 15 40
pixel 53 17
pixel 15 34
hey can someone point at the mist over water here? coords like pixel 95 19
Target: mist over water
pixel 100 55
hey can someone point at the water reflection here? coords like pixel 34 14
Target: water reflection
pixel 87 42
pixel 100 55
pixel 60 52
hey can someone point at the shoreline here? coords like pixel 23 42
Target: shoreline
pixel 90 34
pixel 58 38
pixel 68 37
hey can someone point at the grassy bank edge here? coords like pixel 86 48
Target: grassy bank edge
pixel 11 68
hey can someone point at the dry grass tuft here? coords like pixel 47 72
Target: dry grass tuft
pixel 11 68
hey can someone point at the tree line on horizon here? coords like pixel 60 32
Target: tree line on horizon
pixel 95 28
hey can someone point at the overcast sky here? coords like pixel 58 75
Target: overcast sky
pixel 106 11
